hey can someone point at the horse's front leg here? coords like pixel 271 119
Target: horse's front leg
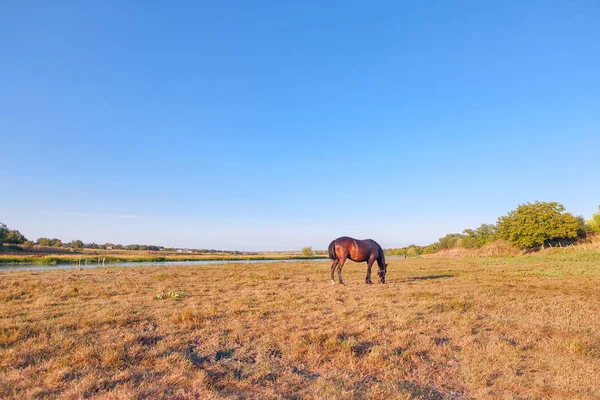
pixel 368 280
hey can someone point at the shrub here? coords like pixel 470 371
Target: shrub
pixel 307 251
pixel 450 241
pixel 478 237
pixel 593 224
pixel 431 249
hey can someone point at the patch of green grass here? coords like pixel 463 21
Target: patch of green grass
pixel 174 295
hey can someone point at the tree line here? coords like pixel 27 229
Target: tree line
pixel 13 237
pixel 530 226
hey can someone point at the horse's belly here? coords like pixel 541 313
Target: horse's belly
pixel 356 255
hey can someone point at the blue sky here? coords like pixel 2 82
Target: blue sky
pixel 276 125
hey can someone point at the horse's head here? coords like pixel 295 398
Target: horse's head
pixel 382 273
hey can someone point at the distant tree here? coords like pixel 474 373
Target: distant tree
pixel 593 224
pixel 28 244
pixel 44 241
pixel 478 237
pixel 76 244
pixel 14 237
pixel 414 250
pixel 3 232
pixel 535 224
pixel 54 242
pixel 307 251
pixel 431 249
pixel 450 241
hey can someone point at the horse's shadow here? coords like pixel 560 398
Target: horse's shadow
pixel 426 277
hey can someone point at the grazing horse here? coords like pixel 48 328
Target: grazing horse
pixel 358 251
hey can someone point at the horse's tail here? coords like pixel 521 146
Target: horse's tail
pixel 332 250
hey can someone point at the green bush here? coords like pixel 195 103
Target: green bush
pixel 431 249
pixel 450 241
pixel 478 237
pixel 307 251
pixel 593 224
pixel 535 224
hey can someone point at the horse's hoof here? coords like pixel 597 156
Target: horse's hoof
pixel 332 282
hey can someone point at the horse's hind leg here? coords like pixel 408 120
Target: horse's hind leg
pixel 368 280
pixel 335 263
pixel 339 269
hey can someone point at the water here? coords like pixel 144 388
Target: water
pixel 37 267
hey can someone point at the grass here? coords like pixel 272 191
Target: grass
pixel 502 328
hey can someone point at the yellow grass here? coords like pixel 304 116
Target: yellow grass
pixel 516 328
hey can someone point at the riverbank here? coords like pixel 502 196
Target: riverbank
pixel 111 258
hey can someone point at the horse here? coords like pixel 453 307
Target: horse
pixel 356 250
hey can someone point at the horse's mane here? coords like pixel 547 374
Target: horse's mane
pixel 381 257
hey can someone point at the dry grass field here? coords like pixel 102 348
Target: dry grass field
pixel 498 328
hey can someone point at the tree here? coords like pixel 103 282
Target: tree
pixel 431 249
pixel 3 232
pixel 478 237
pixel 534 224
pixel 76 244
pixel 594 223
pixel 44 241
pixel 50 242
pixel 307 251
pixel 449 241
pixel 14 237
pixel 414 250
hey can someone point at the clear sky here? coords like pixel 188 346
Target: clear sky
pixel 258 125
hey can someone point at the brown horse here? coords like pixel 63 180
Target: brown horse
pixel 358 251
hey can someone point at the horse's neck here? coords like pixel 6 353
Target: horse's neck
pixel 381 259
